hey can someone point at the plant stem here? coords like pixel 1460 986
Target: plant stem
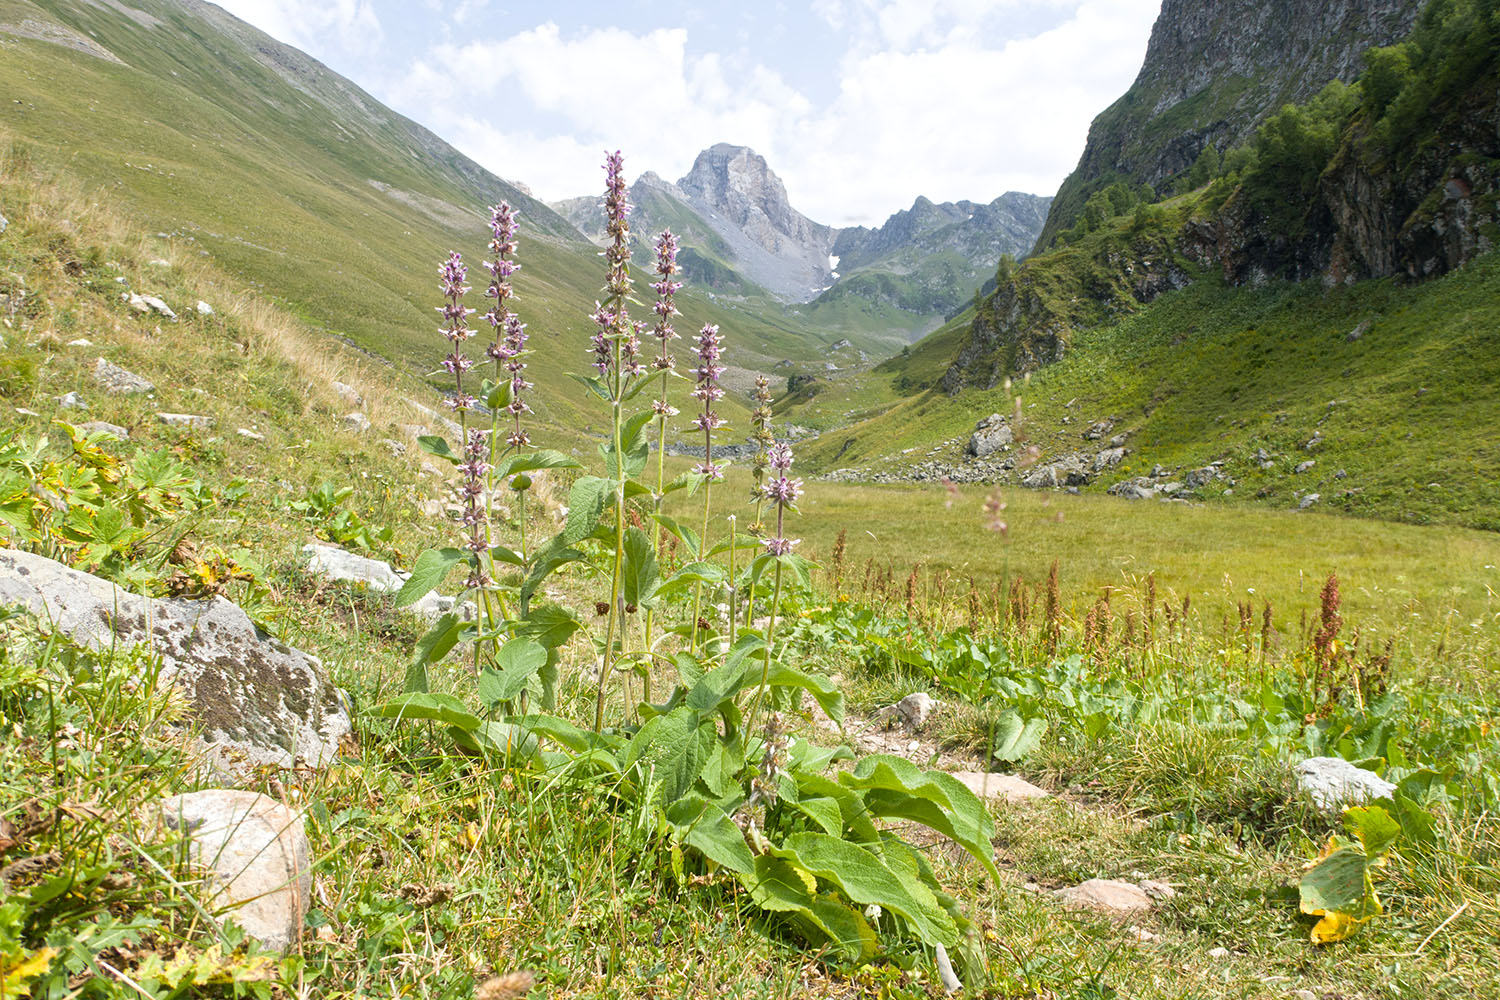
pixel 765 670
pixel 614 589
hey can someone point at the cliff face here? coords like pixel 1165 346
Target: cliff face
pixel 981 233
pixel 1213 72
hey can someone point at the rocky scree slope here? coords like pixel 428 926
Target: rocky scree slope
pixel 1213 72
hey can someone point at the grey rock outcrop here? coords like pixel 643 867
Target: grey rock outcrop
pixel 150 303
pixel 990 435
pixel 112 378
pixel 254 699
pixel 259 857
pixel 1331 783
pixel 334 563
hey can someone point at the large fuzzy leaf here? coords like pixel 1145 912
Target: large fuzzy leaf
pixel 431 569
pixel 1016 737
pixel 864 879
pixel 425 705
pixel 705 827
pixel 515 664
pixel 676 746
pixel 639 576
pixel 780 886
pixel 895 787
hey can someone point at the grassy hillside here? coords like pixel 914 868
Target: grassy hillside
pixel 1399 382
pixel 230 145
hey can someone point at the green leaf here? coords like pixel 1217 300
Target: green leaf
pixel 567 734
pixel 828 697
pixel 497 396
pixel 439 640
pixel 740 542
pixel 550 625
pixel 1015 738
pixel 593 384
pixel 515 664
pixel 495 738
pixel 639 575
pixel 586 502
pixel 895 787
pixel 705 827
pixel 864 879
pixel 1339 889
pixel 695 572
pixel 640 385
pixel 718 686
pixel 551 558
pixel 676 746
pixel 779 886
pixel 687 536
pixel 431 569
pixel 1375 829
pixel 425 705
pixel 437 447
pixel 532 461
pixel 822 810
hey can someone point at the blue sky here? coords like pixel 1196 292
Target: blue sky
pixel 859 105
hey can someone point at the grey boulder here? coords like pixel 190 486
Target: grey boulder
pixel 255 700
pixel 1331 783
pixel 990 435
pixel 115 379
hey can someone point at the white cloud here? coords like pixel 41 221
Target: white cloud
pixel 932 99
pixel 347 27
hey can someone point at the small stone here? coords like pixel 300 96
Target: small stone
pixel 204 309
pixel 23 411
pixel 1358 332
pixel 428 469
pixel 1141 934
pixel 72 401
pixel 1105 895
pixel 356 422
pixel 1308 501
pixel 1305 466
pixel 334 563
pixel 1218 953
pixel 158 262
pixel 1304 995
pixel 259 855
pixel 81 342
pixel 112 378
pixel 4 223
pixel 1341 474
pixel 396 448
pixel 186 420
pixel 1331 783
pixel 1000 786
pixel 248 434
pixel 1313 441
pixel 150 303
pixel 914 709
pixel 96 426
pixel 348 393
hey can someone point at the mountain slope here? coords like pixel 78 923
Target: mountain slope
pixel 290 177
pixel 1212 73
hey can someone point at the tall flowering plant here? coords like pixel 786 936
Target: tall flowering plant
pixel 699 767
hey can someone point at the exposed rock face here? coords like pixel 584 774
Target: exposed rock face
pixel 116 379
pixel 1213 72
pixel 990 435
pixel 256 699
pixel 259 855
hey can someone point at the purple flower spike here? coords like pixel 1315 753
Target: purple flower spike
pixel 474 468
pixel 780 546
pixel 453 272
pixel 616 208
pixel 709 347
pixel 782 492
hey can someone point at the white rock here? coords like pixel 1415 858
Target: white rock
pixel 254 700
pixel 81 342
pixel 72 401
pixel 23 411
pixel 1141 934
pixel 1309 500
pixel 356 422
pixel 248 434
pixel 4 223
pixel 1306 466
pixel 112 378
pixel 158 262
pixel 204 309
pixel 1000 786
pixel 1218 953
pixel 914 709
pixel 336 564
pixel 185 420
pixel 348 393
pixel 1331 783
pixel 1157 890
pixel 259 855
pixel 1106 895
pixel 149 303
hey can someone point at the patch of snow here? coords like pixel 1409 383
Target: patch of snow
pixel 833 262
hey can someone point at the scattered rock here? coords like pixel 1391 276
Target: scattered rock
pixel 112 378
pixel 1358 332
pixel 1313 441
pixel 81 342
pixel 150 303
pixel 248 434
pixel 23 411
pixel 4 223
pixel 1308 501
pixel 1218 953
pixel 348 393
pixel 428 469
pixel 988 785
pixel 1099 429
pixel 1341 474
pixel 1261 455
pixel 1306 466
pixel 396 448
pixel 1304 995
pixel 1331 783
pixel 1199 478
pixel 158 262
pixel 913 710
pixel 1139 488
pixel 255 700
pixel 990 435
pixel 1141 934
pixel 356 422
pixel 72 401
pixel 259 855
pixel 186 420
pixel 336 564
pixel 1106 895
pixel 95 426
pixel 204 309
pixel 1118 441
pixel 1108 459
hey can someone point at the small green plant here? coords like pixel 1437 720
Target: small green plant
pixel 323 509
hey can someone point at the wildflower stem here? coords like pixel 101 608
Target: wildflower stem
pixel 765 669
pixel 617 572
